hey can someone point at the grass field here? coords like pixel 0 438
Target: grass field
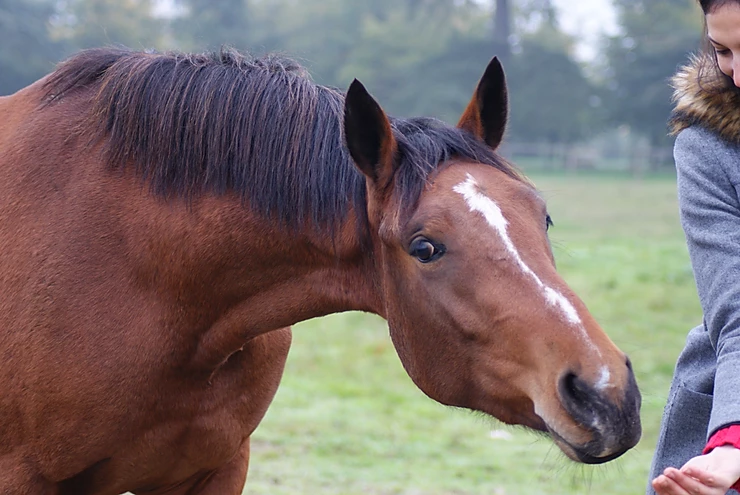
pixel 348 420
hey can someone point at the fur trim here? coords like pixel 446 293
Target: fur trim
pixel 702 99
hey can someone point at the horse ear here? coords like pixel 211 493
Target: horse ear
pixel 369 136
pixel 488 110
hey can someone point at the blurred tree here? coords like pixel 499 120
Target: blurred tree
pixel 321 34
pixel 530 15
pixel 656 37
pixel 208 24
pixel 418 57
pixel 391 45
pixel 424 57
pixel 551 98
pixel 28 52
pixel 502 30
pixel 409 58
pixel 90 23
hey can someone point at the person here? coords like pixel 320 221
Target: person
pixel 698 450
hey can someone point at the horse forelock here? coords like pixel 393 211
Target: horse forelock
pixel 194 123
pixel 427 144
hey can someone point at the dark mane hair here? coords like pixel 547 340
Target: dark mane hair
pixel 258 126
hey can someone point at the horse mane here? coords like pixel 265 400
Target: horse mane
pixel 193 123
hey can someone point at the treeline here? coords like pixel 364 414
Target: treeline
pixel 418 57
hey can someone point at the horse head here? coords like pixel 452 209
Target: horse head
pixel 477 312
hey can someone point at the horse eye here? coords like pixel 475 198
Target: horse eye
pixel 423 250
pixel 548 222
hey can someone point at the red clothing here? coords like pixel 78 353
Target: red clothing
pixel 725 436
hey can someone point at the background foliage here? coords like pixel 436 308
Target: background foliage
pixel 416 56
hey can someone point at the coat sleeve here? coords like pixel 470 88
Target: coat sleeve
pixel 708 173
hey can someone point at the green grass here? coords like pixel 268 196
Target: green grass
pixel 348 420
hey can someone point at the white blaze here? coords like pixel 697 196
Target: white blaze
pixel 481 203
pixel 603 379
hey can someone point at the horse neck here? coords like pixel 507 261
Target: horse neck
pixel 244 276
pixel 328 273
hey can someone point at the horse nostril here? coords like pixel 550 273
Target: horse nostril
pixel 567 385
pixel 574 389
pixel 578 398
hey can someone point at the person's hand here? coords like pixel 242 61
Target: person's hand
pixel 710 474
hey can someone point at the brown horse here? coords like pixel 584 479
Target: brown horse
pixel 164 218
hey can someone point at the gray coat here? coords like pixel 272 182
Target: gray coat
pixel 705 393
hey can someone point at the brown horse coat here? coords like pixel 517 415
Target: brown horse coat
pixel 163 218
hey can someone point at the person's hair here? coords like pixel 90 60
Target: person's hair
pixel 709 5
pixel 711 78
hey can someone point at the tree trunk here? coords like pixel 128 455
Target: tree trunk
pixel 502 30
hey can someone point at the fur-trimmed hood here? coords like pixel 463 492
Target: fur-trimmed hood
pixel 702 99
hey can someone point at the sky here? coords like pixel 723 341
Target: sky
pixel 587 20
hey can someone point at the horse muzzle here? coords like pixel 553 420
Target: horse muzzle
pixel 613 427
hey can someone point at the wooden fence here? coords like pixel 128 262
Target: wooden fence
pixel 637 159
